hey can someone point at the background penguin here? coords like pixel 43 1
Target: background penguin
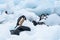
pixel 42 16
pixel 20 28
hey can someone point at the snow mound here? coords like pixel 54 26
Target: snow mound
pixel 53 19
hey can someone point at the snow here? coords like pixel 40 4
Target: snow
pixel 3 7
pixel 53 19
pixel 43 6
pixel 4 32
pixel 39 33
pixel 32 9
pixel 57 7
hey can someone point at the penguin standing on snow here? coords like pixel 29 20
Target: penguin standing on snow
pixel 20 28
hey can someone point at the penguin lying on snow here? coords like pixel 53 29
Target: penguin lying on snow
pixel 20 28
pixel 42 16
pixel 37 23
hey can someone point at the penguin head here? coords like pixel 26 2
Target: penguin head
pixel 23 17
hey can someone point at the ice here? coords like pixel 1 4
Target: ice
pixel 53 19
pixel 3 7
pixel 57 7
pixel 43 7
pixel 2 1
pixel 32 9
pixel 29 3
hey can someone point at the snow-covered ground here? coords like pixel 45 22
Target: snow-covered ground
pixel 32 9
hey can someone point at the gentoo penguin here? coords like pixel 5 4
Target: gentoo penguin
pixel 20 28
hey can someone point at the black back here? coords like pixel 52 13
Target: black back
pixel 34 23
pixel 20 29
